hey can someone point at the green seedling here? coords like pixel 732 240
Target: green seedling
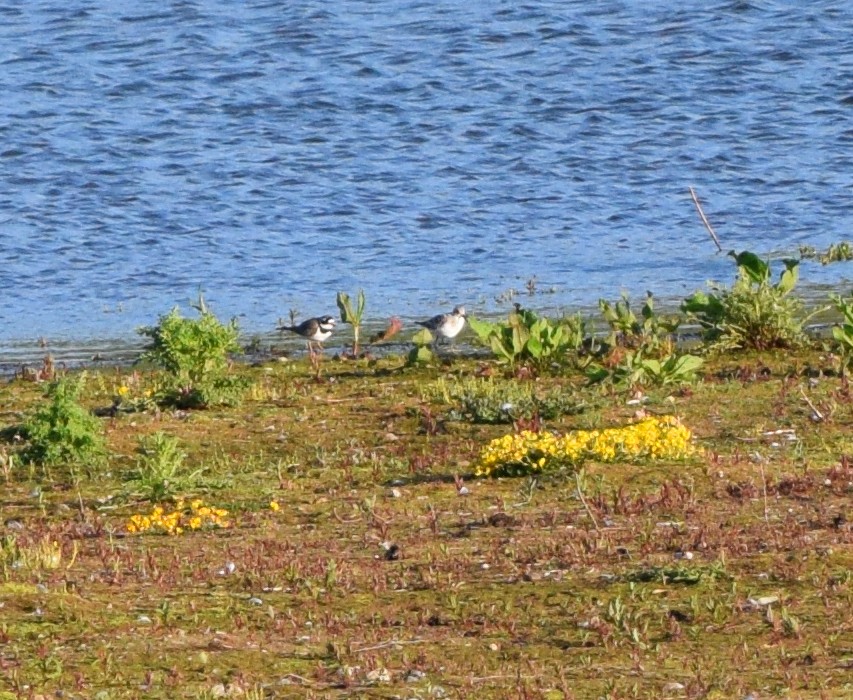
pixel 352 316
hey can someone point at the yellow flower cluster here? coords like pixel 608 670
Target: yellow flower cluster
pixel 130 395
pixel 526 452
pixel 193 516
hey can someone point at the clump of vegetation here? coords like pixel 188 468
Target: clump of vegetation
pixel 160 470
pixel 61 430
pixel 754 313
pixel 500 401
pixel 633 369
pixel 529 452
pixel 651 331
pixel 132 394
pixel 528 338
pixel 837 252
pixel 843 332
pixel 421 353
pixel 195 354
pixel 43 554
pixel 352 316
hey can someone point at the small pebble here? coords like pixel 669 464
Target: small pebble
pixel 228 569
pixel 379 675
pixel 413 676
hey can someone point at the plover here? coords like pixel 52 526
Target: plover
pixel 446 325
pixel 314 330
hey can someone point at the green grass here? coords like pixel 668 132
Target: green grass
pixel 512 590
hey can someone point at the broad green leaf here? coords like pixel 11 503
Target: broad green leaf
pixel 534 348
pixel 520 334
pixel 361 304
pixel 652 366
pixel 482 329
pixel 422 338
pixel 596 373
pixel 756 269
pixel 420 354
pixel 790 276
pixel 345 306
pixel 499 349
pixel 688 364
pixel 843 334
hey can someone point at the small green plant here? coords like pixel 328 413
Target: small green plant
pixel 195 354
pixel 421 354
pixel 755 313
pixel 61 431
pixel 843 332
pixel 352 316
pixel 44 553
pixel 635 369
pixel 495 401
pixel 837 252
pixel 160 471
pixel 651 331
pixel 529 338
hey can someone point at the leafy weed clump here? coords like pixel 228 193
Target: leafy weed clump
pixel 492 402
pixel 843 332
pixel 755 313
pixel 527 338
pixel 61 431
pixel 634 369
pixel 352 315
pixel 651 331
pixel 195 354
pixel 160 471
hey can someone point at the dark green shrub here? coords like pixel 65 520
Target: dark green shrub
pixel 754 313
pixel 61 431
pixel 195 355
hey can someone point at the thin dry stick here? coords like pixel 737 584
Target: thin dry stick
pixel 585 504
pixel 817 414
pixel 705 220
pixel 764 488
pixel 391 643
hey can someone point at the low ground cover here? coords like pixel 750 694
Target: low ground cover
pixel 362 558
pixel 461 528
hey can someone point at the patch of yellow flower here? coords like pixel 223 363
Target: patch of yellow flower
pixel 130 395
pixel 527 452
pixel 193 516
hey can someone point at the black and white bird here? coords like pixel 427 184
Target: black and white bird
pixel 314 330
pixel 446 325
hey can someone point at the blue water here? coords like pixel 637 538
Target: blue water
pixel 272 153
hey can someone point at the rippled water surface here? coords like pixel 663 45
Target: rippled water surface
pixel 272 153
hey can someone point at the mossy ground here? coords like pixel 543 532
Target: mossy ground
pixel 721 576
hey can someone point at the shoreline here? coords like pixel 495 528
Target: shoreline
pixel 123 349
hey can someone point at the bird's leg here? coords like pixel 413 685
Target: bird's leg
pixel 436 344
pixel 316 358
